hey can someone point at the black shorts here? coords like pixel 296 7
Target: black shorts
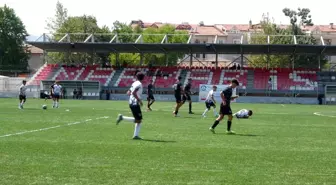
pixel 22 97
pixel 150 97
pixel 186 97
pixel 136 111
pixel 225 110
pixel 209 104
pixel 56 96
pixel 178 98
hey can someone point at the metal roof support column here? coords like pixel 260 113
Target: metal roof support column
pixel 268 52
pixel 141 58
pixel 216 60
pixel 191 59
pixel 241 60
pixel 166 59
pixel 117 59
pixel 319 62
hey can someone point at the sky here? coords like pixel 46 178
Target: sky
pixel 35 13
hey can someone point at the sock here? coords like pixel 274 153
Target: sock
pixel 54 104
pixel 215 124
pixel 229 125
pixel 176 112
pixel 137 129
pixel 151 103
pixel 215 112
pixel 205 111
pixel 190 107
pixel 130 119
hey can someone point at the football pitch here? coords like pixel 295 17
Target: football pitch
pixel 79 143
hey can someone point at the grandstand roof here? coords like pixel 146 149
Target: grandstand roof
pixel 85 42
pixel 187 48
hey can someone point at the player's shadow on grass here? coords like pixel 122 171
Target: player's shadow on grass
pixel 244 135
pixel 247 135
pixel 158 141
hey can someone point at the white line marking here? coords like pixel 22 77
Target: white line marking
pixel 283 105
pixel 319 114
pixel 48 128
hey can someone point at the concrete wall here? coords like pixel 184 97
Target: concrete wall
pixel 171 98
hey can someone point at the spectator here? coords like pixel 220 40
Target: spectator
pixel 74 94
pixel 269 83
pixel 108 92
pixel 80 94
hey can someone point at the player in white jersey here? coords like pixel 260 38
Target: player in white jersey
pixel 56 91
pixel 22 94
pixel 210 102
pixel 244 113
pixel 135 104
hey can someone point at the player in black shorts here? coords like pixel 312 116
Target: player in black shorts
pixel 225 108
pixel 150 95
pixel 178 95
pixel 22 95
pixel 187 95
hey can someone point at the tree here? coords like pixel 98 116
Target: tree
pixel 86 25
pixel 150 35
pixel 124 32
pixel 285 36
pixel 14 54
pixel 301 14
pixel 305 19
pixel 61 15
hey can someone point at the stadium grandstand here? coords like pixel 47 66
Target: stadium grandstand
pixel 214 54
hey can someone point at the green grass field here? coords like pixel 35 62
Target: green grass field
pixel 281 144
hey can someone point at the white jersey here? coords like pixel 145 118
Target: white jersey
pixel 210 96
pixel 242 113
pixel 23 89
pixel 57 89
pixel 137 85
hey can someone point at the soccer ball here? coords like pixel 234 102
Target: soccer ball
pixel 44 107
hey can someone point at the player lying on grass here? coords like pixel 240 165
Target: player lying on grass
pixel 243 114
pixel 210 102
pixel 225 108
